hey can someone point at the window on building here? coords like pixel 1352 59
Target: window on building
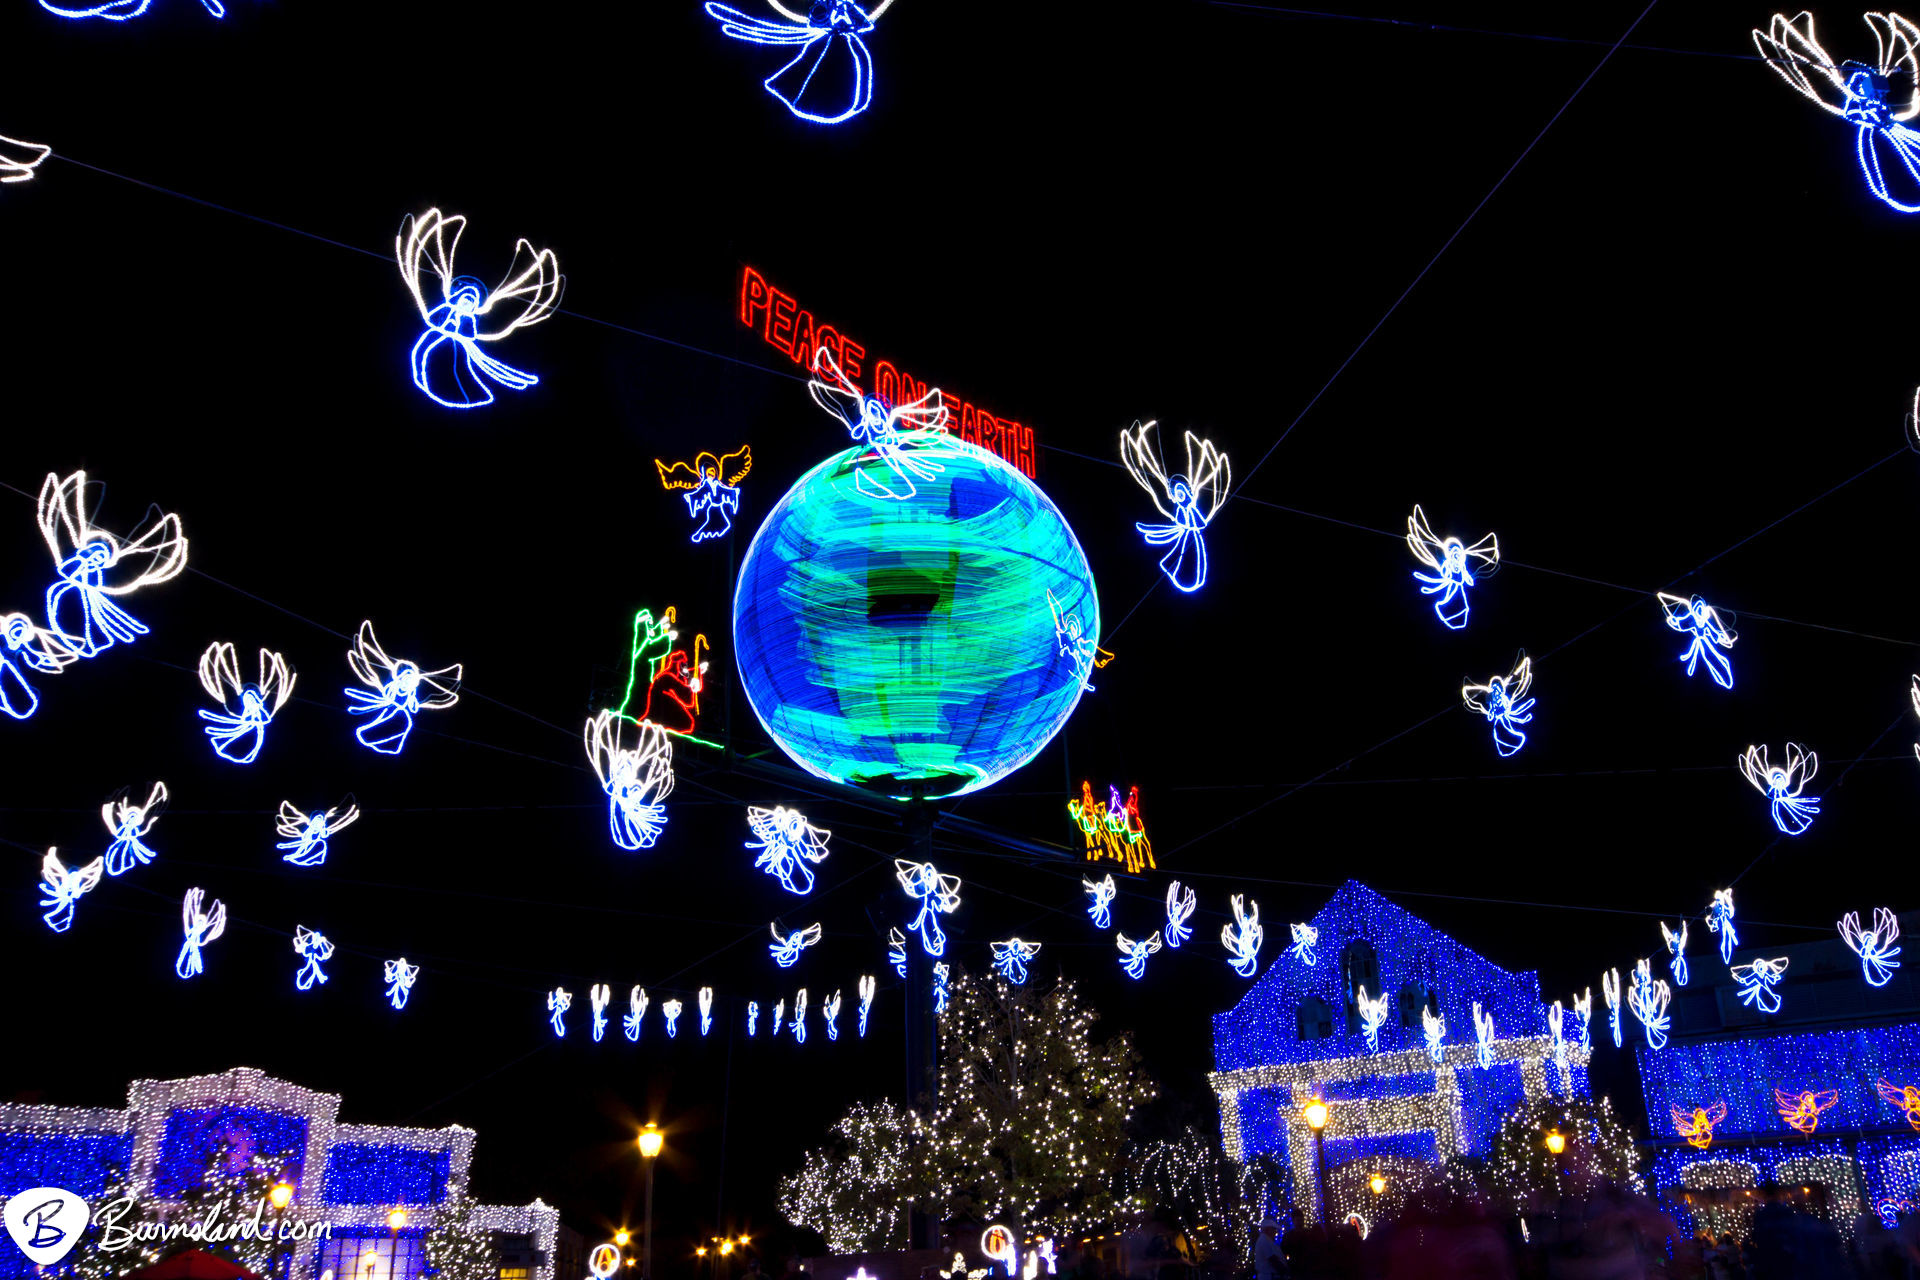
pixel 514 1273
pixel 1414 998
pixel 382 1257
pixel 1315 1019
pixel 1359 967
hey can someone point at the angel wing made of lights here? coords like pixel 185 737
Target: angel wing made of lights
pixel 61 888
pixel 1503 701
pixel 1859 94
pixel 786 948
pixel 307 833
pixel 787 844
pixel 1453 563
pixel 1874 946
pixel 447 363
pixel 25 645
pixel 238 729
pixel 829 80
pixel 1784 785
pixel 636 779
pixel 1100 895
pixel 1696 1126
pixel 1583 1008
pixel 1133 954
pixel 1802 1111
pixel 19 159
pixel 1180 908
pixel 1189 500
pixel 401 689
pixel 93 566
pixel 1712 635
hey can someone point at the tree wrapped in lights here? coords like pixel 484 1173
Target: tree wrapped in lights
pixel 458 1247
pixel 1599 1149
pixel 1190 1183
pixel 856 1190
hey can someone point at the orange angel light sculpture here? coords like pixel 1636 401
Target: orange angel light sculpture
pixel 711 488
pixel 1697 1127
pixel 1802 1110
pixel 1905 1097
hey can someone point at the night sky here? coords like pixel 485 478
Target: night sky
pixel 1680 320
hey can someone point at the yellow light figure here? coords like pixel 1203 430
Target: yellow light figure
pixel 1697 1127
pixel 1802 1111
pixel 1905 1097
pixel 711 489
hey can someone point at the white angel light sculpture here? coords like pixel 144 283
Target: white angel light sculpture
pixel 1712 635
pixel 1784 786
pixel 447 362
pixel 19 159
pixel 61 888
pixel 1610 988
pixel 93 567
pixel 1758 981
pixel 788 843
pixel 705 1001
pixel 897 951
pixel 1720 922
pixel 909 440
pixel 941 989
pixel 1188 499
pixel 1483 1036
pixel 1557 1027
pixel 307 833
pixel 1503 701
pixel 830 1014
pixel 1373 1016
pixel 1453 563
pixel 800 1016
pixel 636 1013
pixel 401 690
pixel 1874 946
pixel 830 79
pixel 399 977
pixel 1179 910
pixel 1649 999
pixel 559 1000
pixel 1070 634
pixel 1676 948
pixel 129 824
pixel 1305 938
pixel 786 948
pixel 1010 959
pixel 1887 149
pixel 1133 955
pixel 118 10
pixel 314 949
pixel 1100 895
pixel 670 1010
pixel 239 728
pixel 1243 937
pixel 753 1018
pixel 1583 1008
pixel 199 925
pixel 636 779
pixel 711 487
pixel 779 1014
pixel 25 645
pixel 867 989
pixel 937 895
pixel 1433 1028
pixel 599 996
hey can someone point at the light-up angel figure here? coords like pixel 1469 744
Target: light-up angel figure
pixel 1373 1016
pixel 1179 910
pixel 94 566
pixel 1905 1097
pixel 800 1016
pixel 1483 1036
pixel 199 925
pixel 1010 959
pixel 314 950
pixel 867 989
pixel 909 439
pixel 1913 691
pixel 1677 949
pixel 937 895
pixel 897 951
pixel 1075 644
pixel 239 729
pixel 830 79
pixel 1557 1028
pixel 400 977
pixel 24 646
pixel 1802 1110
pixel 1504 702
pixel 1758 981
pixel 61 889
pixel 1720 922
pixel 447 362
pixel 1861 95
pixel 1100 895
pixel 19 159
pixel 786 948
pixel 753 1018
pixel 118 10
pixel 1243 937
pixel 1783 785
pixel 128 824
pixel 779 1013
pixel 1188 499
pixel 636 779
pixel 830 1014
pixel 1305 938
pixel 1874 946
pixel 1133 955
pixel 599 996
pixel 401 691
pixel 787 844
pixel 559 1000
pixel 711 487
pixel 307 833
pixel 941 989
pixel 1433 1028
pixel 1696 1126
pixel 1610 988
pixel 1583 1008
pixel 1453 564
pixel 1649 998
pixel 705 999
pixel 636 1013
pixel 1712 635
pixel 670 1010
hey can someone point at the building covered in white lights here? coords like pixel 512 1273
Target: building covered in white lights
pixel 1407 1099
pixel 349 1176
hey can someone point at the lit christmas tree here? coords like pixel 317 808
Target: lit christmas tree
pixel 459 1248
pixel 856 1190
pixel 1520 1167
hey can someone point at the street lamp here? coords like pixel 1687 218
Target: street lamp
pixel 651 1140
pixel 1377 1183
pixel 281 1195
pixel 622 1237
pixel 1316 1114
pixel 1556 1142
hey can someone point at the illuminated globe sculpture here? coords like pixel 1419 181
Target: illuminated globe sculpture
pixel 907 646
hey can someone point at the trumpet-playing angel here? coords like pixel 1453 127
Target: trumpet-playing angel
pixel 1504 702
pixel 830 78
pixel 129 825
pixel 711 488
pixel 314 949
pixel 1179 910
pixel 1874 946
pixel 1243 937
pixel 787 844
pixel 1100 896
pixel 910 439
pixel 199 925
pixel 401 690
pixel 447 362
pixel 1864 96
pixel 1712 637
pixel 937 895
pixel 61 888
pixel 1070 634
pixel 1802 1110
pixel 1188 499
pixel 636 779
pixel 307 833
pixel 25 645
pixel 1133 954
pixel 1010 959
pixel 239 728
pixel 786 947
pixel 1453 563
pixel 93 566
pixel 1696 1126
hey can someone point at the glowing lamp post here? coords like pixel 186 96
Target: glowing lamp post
pixel 1377 1183
pixel 1556 1142
pixel 651 1140
pixel 1316 1114
pixel 281 1195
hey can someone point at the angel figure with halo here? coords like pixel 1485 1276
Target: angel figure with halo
pixel 1189 499
pixel 447 362
pixel 711 488
pixel 906 438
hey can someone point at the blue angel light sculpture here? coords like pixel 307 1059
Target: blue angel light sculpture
pixel 399 977
pixel 706 1009
pixel 19 159
pixel 401 690
pixel 800 1015
pixel 1720 922
pixel 26 645
pixel 239 728
pixel 1010 959
pixel 119 10
pixel 942 991
pixel 307 833
pixel 93 567
pixel 1583 1008
pixel 1712 635
pixel 830 79
pixel 1504 702
pixel 897 951
pixel 129 825
pixel 1433 1029
pixel 753 1018
pixel 1133 955
pixel 636 779
pixel 559 1000
pixel 787 843
pixel 1758 980
pixel 711 487
pixel 1677 948
pixel 1189 500
pixel 867 989
pixel 1483 1036
pixel 1075 644
pixel 314 949
pixel 786 948
pixel 1610 988
pixel 447 362
pixel 61 888
pixel 1179 910
pixel 1874 946
pixel 1887 149
pixel 636 1013
pixel 1305 938
pixel 670 1010
pixel 937 895
pixel 1373 1016
pixel 909 438
pixel 199 925
pixel 1243 937
pixel 1100 896
pixel 1784 786
pixel 779 1014
pixel 1649 999
pixel 830 1014
pixel 1557 1027
pixel 1453 563
pixel 599 996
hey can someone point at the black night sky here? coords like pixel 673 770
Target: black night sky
pixel 1674 350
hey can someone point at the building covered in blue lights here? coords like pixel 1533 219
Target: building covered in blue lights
pixel 351 1177
pixel 1298 1034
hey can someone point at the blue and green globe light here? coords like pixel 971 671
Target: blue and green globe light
pixel 908 647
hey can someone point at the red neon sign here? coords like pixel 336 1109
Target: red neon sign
pixel 781 322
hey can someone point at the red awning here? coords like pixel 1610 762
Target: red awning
pixel 192 1265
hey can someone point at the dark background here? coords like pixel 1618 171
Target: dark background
pixel 1682 318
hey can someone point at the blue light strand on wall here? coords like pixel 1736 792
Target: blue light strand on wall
pixel 199 925
pixel 1784 785
pixel 1720 923
pixel 1179 910
pixel 1134 953
pixel 1503 701
pixel 787 844
pixel 830 79
pixel 61 888
pixel 1243 937
pixel 27 646
pixel 1874 946
pixel 401 690
pixel 1711 635
pixel 1010 959
pixel 1188 499
pixel 238 729
pixel 786 948
pixel 447 362
pixel 86 1164
pixel 384 1174
pixel 1759 982
pixel 1453 563
pixel 307 833
pixel 92 566
pixel 1100 895
pixel 314 949
pixel 1676 948
pixel 129 824
pixel 193 1137
pixel 1860 95
pixel 399 977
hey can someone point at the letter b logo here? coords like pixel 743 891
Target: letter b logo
pixel 46 1223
